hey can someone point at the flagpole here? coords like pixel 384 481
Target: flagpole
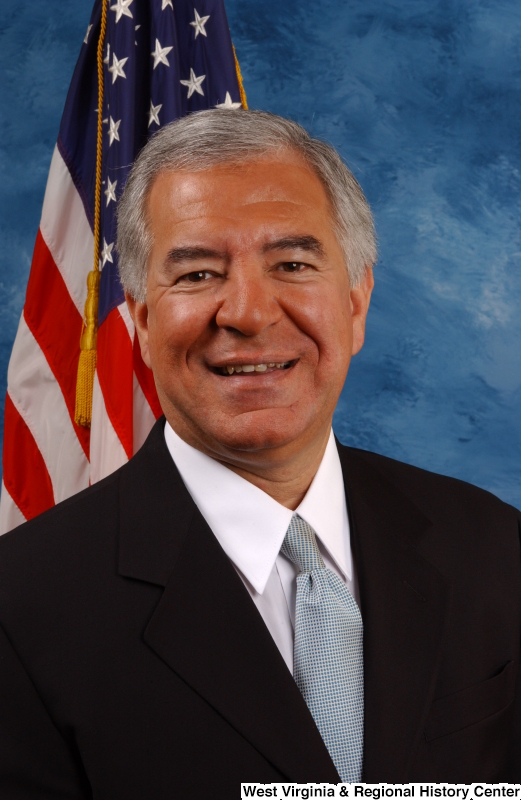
pixel 88 341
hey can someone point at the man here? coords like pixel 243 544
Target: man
pixel 247 600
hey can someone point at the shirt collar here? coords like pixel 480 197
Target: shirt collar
pixel 324 507
pixel 249 524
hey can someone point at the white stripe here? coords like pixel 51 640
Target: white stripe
pixel 143 416
pixel 10 515
pixel 127 319
pixel 107 453
pixel 66 231
pixel 38 398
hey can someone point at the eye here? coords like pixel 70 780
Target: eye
pixel 196 277
pixel 292 266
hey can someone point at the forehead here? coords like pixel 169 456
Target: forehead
pixel 274 190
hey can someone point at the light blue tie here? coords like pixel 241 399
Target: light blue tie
pixel 328 652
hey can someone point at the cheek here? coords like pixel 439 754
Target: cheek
pixel 326 319
pixel 176 323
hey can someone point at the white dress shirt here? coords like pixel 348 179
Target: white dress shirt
pixel 250 527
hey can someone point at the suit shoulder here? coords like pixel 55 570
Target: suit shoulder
pixel 67 526
pixel 433 491
pixel 93 508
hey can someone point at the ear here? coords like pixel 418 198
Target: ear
pixel 139 313
pixel 360 297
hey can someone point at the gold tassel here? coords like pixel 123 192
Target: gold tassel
pixel 88 354
pixel 239 78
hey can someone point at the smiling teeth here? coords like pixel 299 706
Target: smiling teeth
pixel 229 370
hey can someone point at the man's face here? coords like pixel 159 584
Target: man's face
pixel 250 322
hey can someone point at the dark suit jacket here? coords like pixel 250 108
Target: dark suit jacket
pixel 134 664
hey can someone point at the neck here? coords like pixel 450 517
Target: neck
pixel 286 482
pixel 283 473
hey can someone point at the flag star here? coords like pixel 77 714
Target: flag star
pixel 199 23
pixel 110 191
pixel 153 114
pixel 160 54
pixel 117 67
pixel 165 3
pixel 106 253
pixel 228 103
pixel 113 130
pixel 87 34
pixel 194 84
pixel 122 9
pixel 106 60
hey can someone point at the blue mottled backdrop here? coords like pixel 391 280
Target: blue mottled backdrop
pixel 422 98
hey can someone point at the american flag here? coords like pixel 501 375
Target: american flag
pixel 162 59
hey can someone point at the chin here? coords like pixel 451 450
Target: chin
pixel 255 434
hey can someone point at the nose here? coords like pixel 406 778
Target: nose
pixel 249 305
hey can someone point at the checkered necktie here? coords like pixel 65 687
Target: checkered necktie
pixel 328 654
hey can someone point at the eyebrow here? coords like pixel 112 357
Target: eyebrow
pixel 191 254
pixel 307 243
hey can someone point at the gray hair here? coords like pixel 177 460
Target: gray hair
pixel 207 138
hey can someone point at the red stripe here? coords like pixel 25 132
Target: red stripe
pixel 55 323
pixel 146 380
pixel 115 374
pixel 25 475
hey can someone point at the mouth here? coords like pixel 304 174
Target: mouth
pixel 252 369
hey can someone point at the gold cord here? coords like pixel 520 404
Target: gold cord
pixel 239 78
pixel 88 341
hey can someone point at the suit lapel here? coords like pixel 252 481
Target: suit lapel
pixel 404 607
pixel 206 627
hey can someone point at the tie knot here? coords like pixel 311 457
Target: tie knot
pixel 300 545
